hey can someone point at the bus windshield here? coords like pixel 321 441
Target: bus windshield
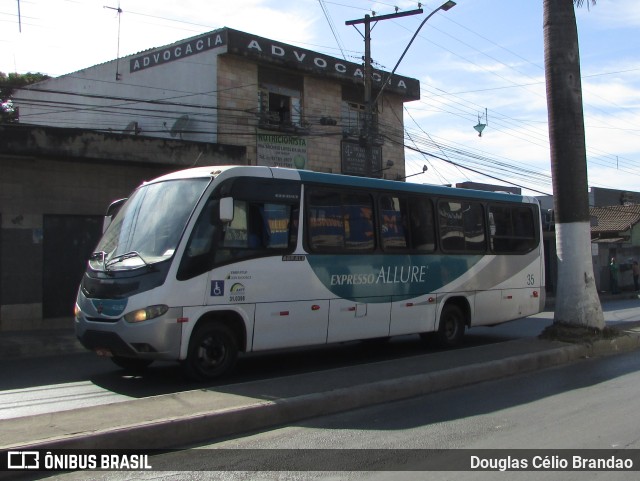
pixel 149 226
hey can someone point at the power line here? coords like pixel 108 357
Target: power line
pixel 466 109
pixel 332 27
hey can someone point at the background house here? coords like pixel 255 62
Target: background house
pixel 615 219
pixel 615 232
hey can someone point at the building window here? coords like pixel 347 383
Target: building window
pixel 353 118
pixel 279 99
pixel 352 114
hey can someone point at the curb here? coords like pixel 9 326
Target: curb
pixel 195 428
pixel 29 344
pixel 629 341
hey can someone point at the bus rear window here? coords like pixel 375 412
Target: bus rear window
pixel 513 229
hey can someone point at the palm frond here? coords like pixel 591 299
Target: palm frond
pixel 578 3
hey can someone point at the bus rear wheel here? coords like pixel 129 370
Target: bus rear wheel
pixel 451 328
pixel 213 350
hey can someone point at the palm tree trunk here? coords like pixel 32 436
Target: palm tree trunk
pixel 577 300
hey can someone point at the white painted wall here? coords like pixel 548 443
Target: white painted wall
pixel 154 97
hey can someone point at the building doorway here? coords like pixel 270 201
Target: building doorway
pixel 68 241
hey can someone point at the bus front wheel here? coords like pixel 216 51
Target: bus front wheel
pixel 451 328
pixel 213 351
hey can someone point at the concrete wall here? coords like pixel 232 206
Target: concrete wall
pixel 390 119
pixel 30 189
pixel 49 172
pixel 323 98
pixel 238 103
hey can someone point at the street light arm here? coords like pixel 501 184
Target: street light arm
pixel 445 6
pixel 424 169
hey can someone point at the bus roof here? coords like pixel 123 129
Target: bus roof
pixel 409 187
pixel 339 179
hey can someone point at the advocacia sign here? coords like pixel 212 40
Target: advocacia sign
pixel 269 51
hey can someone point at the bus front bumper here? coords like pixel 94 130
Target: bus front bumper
pixel 155 339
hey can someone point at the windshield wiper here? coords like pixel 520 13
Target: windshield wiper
pixel 120 258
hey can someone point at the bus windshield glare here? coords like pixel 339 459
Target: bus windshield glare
pixel 149 226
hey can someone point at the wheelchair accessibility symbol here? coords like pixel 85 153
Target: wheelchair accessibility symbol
pixel 217 288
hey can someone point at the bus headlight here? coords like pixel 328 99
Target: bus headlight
pixel 147 313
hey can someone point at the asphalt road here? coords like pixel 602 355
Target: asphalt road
pixel 64 382
pixel 591 404
pixel 48 384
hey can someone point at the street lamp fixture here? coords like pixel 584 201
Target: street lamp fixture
pixel 424 169
pixel 447 5
pixel 444 7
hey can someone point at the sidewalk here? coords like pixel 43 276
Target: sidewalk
pixel 186 418
pixel 50 342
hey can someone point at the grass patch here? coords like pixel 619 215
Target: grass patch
pixel 577 334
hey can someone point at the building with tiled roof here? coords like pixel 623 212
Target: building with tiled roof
pixel 616 223
pixel 615 232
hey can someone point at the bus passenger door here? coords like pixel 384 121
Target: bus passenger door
pixel 412 316
pixel 351 320
pixel 290 324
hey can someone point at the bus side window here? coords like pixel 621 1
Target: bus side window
pixel 462 226
pixel 422 225
pixel 474 230
pixel 258 227
pixel 198 256
pixel 393 222
pixel 324 221
pixel 358 222
pixel 339 221
pixel 276 224
pixel 236 234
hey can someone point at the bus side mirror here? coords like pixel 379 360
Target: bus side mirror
pixel 112 211
pixel 226 209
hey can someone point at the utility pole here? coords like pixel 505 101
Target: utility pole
pixel 369 128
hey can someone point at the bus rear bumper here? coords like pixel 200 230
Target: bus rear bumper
pixel 543 298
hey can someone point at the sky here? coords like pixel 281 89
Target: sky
pixel 481 62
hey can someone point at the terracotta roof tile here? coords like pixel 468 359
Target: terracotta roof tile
pixel 615 218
